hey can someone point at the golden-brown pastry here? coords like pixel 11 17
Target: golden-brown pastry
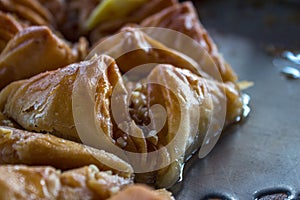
pixel 29 10
pixel 195 97
pixel 44 104
pixel 183 18
pixel 45 101
pixel 22 147
pixel 132 47
pixel 9 28
pixel 31 51
pixel 147 9
pixel 86 183
pixel 188 100
pixel 137 192
pixel 196 103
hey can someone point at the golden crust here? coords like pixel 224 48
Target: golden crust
pixel 142 192
pixel 205 90
pixel 138 48
pixel 88 183
pixel 33 50
pixel 43 103
pixel 106 86
pixel 22 147
pixel 183 18
pixel 188 99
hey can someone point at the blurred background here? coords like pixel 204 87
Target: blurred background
pixel 267 22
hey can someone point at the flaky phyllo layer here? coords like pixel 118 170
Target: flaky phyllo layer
pixel 152 106
pixel 43 103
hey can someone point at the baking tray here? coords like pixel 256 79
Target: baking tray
pixel 260 157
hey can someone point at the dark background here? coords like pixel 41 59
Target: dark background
pixel 260 156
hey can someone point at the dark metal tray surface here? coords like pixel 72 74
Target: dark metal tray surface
pixel 260 157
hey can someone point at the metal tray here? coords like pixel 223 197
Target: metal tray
pixel 260 157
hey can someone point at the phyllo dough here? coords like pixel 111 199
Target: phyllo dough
pixel 34 50
pixel 132 47
pixel 195 106
pixel 44 104
pixel 183 18
pixel 23 147
pixel 143 101
pixel 86 183
pixel 138 191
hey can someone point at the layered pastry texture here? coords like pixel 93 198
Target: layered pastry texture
pixel 83 183
pixel 43 54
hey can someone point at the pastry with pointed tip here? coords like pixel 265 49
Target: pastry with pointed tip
pixel 183 18
pixel 23 147
pixel 188 99
pixel 44 103
pixel 132 47
pixel 31 51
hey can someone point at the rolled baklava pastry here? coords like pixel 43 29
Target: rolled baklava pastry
pixel 23 147
pixel 44 103
pixel 184 19
pixel 137 192
pixel 34 50
pixel 143 101
pixel 23 182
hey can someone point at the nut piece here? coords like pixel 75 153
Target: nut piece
pixel 193 105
